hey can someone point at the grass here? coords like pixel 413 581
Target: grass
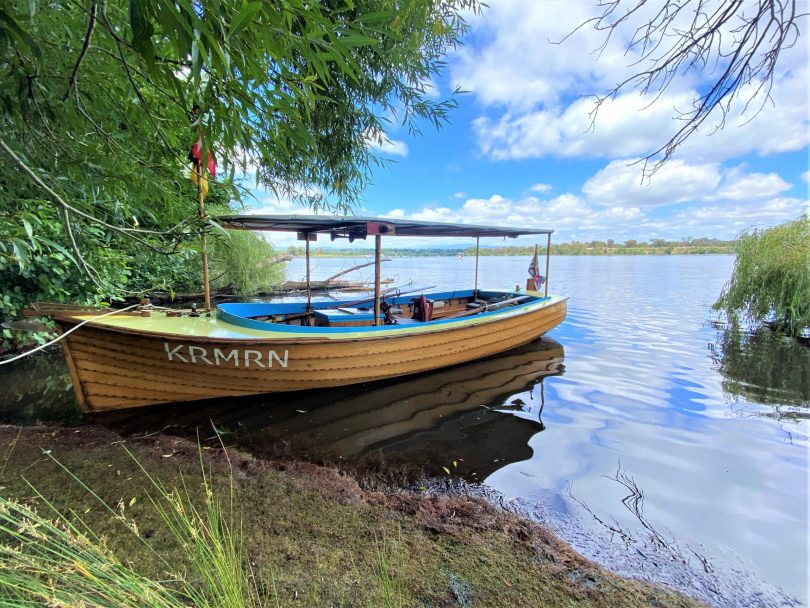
pixel 771 278
pixel 49 561
pixel 58 560
pixel 161 523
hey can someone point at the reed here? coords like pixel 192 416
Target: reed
pixel 771 278
pixel 49 561
pixel 55 559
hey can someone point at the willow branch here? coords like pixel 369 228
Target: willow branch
pixel 88 269
pixel 670 50
pixel 129 232
pixel 141 99
pixel 91 25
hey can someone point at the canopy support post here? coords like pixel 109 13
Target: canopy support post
pixel 203 240
pixel 548 255
pixel 475 287
pixel 377 265
pixel 309 284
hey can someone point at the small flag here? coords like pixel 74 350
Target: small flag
pixel 195 157
pixel 534 272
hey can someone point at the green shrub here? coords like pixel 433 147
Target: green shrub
pixel 244 262
pixel 771 279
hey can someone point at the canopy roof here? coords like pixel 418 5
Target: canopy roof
pixel 360 227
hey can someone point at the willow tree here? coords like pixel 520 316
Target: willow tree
pixel 96 121
pixel 771 278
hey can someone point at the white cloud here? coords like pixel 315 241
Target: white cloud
pixel 570 215
pixel 806 176
pixel 577 218
pixel 486 210
pixel 380 142
pixel 537 96
pixel 621 184
pixel 698 199
pixel 541 188
pixel 272 205
pixel 752 186
pixel 395 147
pixel 731 219
pixel 437 214
pixel 514 62
pixel 629 126
pixel 625 126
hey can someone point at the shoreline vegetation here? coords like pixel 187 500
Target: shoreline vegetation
pixel 771 279
pixel 701 246
pixel 89 512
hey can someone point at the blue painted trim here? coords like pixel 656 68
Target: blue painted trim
pixel 340 316
pixel 228 313
pixel 264 309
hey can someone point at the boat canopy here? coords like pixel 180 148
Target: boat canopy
pixel 360 227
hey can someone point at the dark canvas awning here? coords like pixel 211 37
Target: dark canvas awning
pixel 360 227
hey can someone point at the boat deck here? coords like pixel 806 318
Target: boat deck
pixel 235 322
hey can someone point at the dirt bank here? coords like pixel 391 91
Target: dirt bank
pixel 313 535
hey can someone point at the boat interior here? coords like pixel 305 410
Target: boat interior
pixel 394 309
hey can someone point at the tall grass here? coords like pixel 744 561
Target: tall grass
pixel 49 561
pixel 55 559
pixel 391 590
pixel 771 278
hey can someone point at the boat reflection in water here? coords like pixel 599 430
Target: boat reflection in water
pixel 478 415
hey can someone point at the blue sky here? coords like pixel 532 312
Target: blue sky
pixel 518 150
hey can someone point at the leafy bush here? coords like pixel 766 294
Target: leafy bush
pixel 771 279
pixel 244 262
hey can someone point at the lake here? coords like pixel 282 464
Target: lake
pixel 641 430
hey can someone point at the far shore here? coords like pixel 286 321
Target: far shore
pixel 558 250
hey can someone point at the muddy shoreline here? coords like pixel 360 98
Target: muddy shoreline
pixel 316 530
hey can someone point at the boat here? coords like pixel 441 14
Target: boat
pixel 146 356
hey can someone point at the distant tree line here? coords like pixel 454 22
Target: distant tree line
pixel 608 247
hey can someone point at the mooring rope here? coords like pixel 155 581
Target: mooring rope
pixel 68 332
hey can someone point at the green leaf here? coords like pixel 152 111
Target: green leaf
pixel 9 25
pixel 28 230
pixel 142 31
pixel 243 19
pixel 220 228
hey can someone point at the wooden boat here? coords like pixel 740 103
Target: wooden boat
pixel 147 356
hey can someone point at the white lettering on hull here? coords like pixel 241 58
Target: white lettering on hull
pixel 255 358
pixel 234 354
pixel 173 353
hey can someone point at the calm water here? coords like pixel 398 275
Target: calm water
pixel 645 434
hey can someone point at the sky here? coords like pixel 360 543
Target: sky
pixel 520 150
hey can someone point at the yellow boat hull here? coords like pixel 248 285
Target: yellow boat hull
pixel 116 363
